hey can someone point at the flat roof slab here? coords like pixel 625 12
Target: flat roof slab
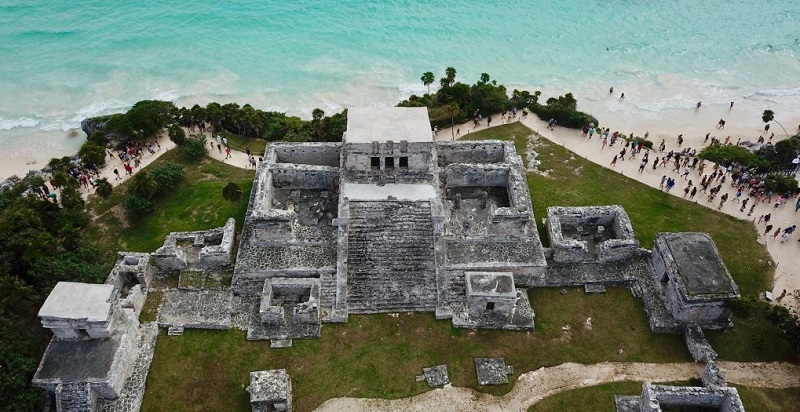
pixel 382 124
pixel 73 300
pixel 412 192
pixel 699 264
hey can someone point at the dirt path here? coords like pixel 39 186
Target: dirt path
pixel 534 386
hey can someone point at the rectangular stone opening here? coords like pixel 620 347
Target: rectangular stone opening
pixel 404 162
pixel 129 280
pixel 390 162
pixel 131 261
pixel 375 163
pixel 489 305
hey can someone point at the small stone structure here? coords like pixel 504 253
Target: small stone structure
pixel 690 275
pixel 492 371
pixel 591 234
pixel 93 349
pixel 200 250
pixel 270 391
pixel 655 398
pixel 289 310
pixel 435 376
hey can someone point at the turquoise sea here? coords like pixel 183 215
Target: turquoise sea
pixel 64 61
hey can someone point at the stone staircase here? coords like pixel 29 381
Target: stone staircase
pixel 391 265
pixel 75 397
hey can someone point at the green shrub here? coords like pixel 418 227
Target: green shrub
pixel 177 135
pixel 731 153
pixel 787 322
pixel 742 307
pixel 166 177
pixel 92 153
pixel 136 206
pixel 103 188
pixel 194 148
pixel 781 183
pixel 564 110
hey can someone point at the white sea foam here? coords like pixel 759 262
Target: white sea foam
pixel 8 124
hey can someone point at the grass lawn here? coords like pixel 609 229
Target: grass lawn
pixel 196 204
pixel 574 181
pixel 379 355
pixel 601 398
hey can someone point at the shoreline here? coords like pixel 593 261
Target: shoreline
pixel 742 121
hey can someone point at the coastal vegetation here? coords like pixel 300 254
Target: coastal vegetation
pixel 455 102
pixel 770 161
pixel 148 117
pixel 42 244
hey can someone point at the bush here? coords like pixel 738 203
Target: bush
pixel 742 307
pixel 723 154
pixel 177 135
pixel 166 177
pixel 92 153
pixel 787 322
pixel 781 183
pixel 136 206
pixel 564 110
pixel 103 188
pixel 194 148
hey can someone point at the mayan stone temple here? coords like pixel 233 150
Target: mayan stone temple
pixel 385 221
pixel 388 221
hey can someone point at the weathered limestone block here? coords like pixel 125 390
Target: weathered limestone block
pixel 270 391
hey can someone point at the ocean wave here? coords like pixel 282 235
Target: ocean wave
pixel 780 92
pixel 8 124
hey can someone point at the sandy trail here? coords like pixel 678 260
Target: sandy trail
pixel 534 386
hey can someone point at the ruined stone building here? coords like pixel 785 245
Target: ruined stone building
pixel 388 221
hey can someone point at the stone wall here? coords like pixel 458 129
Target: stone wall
pixel 319 154
pixel 218 253
pixel 290 176
pixel 470 152
pixel 723 399
pixel 358 162
pixel 616 242
pixel 131 268
pixel 213 247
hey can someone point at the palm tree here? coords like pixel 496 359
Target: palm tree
pixel 427 79
pixel 232 193
pixel 484 77
pixel 449 77
pixel 103 188
pixel 769 116
pixel 143 185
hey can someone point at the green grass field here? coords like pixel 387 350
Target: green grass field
pixel 195 204
pixel 379 355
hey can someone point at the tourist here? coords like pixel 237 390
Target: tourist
pixel 614 161
pixel 744 204
pixel 663 179
pixel 622 96
pixel 694 192
pixel 655 163
pixel 117 177
pixel 642 165
pixel 775 235
pixel 699 103
pixel 753 207
pixel 767 229
pixel 722 201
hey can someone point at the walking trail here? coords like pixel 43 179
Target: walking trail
pixel 531 387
